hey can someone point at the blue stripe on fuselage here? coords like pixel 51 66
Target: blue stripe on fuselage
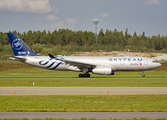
pixel 56 66
pixel 44 63
pixel 50 65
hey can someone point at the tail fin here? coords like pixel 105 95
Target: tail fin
pixel 19 47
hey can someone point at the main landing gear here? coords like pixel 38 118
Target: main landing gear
pixel 85 73
pixel 143 75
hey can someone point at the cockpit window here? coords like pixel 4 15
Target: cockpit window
pixel 154 61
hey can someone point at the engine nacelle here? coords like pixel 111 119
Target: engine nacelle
pixel 103 71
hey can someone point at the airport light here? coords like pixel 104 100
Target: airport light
pixel 96 21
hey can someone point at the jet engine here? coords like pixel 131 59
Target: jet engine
pixel 103 71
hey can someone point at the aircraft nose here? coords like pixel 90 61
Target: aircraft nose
pixel 156 65
pixel 159 65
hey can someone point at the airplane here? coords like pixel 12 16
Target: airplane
pixel 102 65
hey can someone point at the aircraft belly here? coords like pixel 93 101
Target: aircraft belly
pixel 61 68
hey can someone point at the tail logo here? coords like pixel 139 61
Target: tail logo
pixel 17 44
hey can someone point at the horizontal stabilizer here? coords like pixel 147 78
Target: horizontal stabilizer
pixel 17 58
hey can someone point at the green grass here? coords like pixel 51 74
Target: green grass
pixel 87 119
pixel 69 78
pixel 84 82
pixel 84 103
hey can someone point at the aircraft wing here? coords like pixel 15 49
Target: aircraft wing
pixel 75 63
pixel 17 58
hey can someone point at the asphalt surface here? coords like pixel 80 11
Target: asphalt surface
pixel 81 90
pixel 96 77
pixel 78 115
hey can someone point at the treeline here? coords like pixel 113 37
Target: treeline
pixel 65 41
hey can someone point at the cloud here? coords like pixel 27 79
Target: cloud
pixel 33 6
pixel 51 17
pixel 71 21
pixel 150 2
pixel 38 18
pixel 55 9
pixel 105 15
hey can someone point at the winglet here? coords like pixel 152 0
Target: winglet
pixel 51 56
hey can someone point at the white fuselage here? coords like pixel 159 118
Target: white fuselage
pixel 116 63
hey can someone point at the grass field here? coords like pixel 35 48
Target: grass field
pixel 84 103
pixel 84 82
pixel 68 78
pixel 76 103
pixel 87 119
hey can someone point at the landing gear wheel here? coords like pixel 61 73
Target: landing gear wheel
pixel 81 75
pixel 143 75
pixel 86 75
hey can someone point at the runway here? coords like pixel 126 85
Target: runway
pixel 81 90
pixel 95 77
pixel 78 115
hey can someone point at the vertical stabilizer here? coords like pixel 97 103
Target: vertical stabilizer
pixel 19 47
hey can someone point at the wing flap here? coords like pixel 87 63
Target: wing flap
pixel 79 64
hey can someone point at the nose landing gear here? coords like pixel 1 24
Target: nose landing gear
pixel 143 75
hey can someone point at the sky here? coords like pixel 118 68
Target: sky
pixel 149 16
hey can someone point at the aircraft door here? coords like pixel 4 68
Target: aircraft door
pixel 146 61
pixel 39 59
pixel 122 62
